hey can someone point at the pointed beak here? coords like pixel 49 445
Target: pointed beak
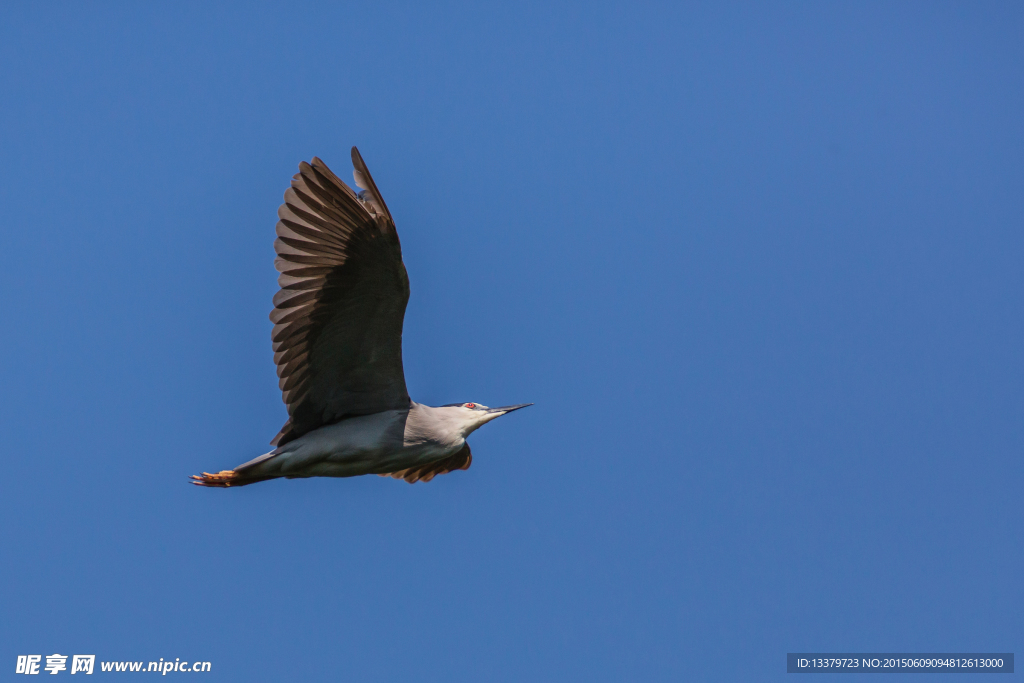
pixel 485 416
pixel 508 409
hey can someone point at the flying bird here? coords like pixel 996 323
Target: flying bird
pixel 338 346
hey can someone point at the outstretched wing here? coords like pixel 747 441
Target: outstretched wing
pixel 338 316
pixel 460 461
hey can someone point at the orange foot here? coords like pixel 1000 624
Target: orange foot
pixel 222 479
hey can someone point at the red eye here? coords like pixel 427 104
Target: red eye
pixel 471 405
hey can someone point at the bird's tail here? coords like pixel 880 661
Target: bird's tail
pixel 226 479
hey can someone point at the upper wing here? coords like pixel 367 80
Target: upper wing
pixel 338 316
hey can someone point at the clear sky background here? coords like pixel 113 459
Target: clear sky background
pixel 758 266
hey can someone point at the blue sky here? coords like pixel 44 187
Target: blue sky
pixel 758 265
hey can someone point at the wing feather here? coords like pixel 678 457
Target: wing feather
pixel 459 461
pixel 339 311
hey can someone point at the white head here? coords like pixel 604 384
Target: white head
pixel 473 416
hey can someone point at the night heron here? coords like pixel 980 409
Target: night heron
pixel 338 346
